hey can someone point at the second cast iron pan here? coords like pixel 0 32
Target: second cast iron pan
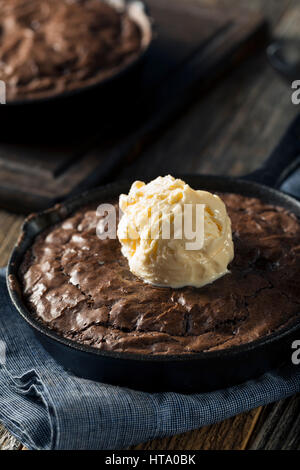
pixel 85 109
pixel 184 373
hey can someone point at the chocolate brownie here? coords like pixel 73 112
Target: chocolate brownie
pixel 50 46
pixel 81 287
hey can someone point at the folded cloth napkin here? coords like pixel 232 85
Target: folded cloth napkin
pixel 46 407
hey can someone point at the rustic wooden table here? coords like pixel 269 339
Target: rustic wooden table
pixel 231 131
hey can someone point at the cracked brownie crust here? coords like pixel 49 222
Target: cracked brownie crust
pixel 81 287
pixel 50 46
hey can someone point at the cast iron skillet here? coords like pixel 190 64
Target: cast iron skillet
pixel 84 107
pixel 185 373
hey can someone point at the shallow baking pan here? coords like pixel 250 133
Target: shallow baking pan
pixel 184 373
pixel 86 107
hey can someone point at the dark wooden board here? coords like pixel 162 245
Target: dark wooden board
pixel 193 47
pixel 278 427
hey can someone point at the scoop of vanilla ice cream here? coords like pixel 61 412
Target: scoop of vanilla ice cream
pixel 155 243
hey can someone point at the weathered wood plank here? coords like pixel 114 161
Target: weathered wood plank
pixel 233 129
pixel 7 441
pixel 9 230
pixel 278 427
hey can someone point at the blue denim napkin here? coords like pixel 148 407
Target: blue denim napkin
pixel 46 407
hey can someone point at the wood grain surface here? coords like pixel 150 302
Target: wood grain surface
pixel 231 131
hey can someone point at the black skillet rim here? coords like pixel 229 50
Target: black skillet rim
pixel 65 209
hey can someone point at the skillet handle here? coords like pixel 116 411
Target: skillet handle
pixel 284 159
pixel 284 56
